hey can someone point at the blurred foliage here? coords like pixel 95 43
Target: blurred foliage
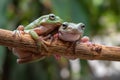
pixel 98 15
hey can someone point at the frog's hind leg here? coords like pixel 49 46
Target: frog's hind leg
pixel 38 40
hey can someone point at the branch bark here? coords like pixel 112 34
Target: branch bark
pixel 83 50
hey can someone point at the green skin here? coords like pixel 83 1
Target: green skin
pixel 42 26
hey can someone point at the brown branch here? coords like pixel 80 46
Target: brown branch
pixel 83 50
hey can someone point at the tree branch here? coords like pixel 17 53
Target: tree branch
pixel 83 50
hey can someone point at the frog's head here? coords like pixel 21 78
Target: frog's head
pixel 71 31
pixel 51 19
pixel 72 28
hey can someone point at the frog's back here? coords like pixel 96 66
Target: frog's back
pixel 32 25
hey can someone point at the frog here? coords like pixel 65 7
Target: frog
pixel 73 33
pixel 43 26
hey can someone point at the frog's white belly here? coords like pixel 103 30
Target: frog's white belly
pixel 69 37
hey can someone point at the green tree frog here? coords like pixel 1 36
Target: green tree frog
pixel 42 26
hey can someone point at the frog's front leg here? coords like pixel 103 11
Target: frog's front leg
pixel 38 40
pixel 19 31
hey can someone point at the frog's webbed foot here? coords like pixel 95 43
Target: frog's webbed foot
pixel 19 31
pixel 48 43
pixel 43 39
pixel 43 43
pixel 52 38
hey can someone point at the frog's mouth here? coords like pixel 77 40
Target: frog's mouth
pixel 69 32
pixel 68 36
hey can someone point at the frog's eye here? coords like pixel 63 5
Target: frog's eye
pixel 64 25
pixel 82 26
pixel 52 17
